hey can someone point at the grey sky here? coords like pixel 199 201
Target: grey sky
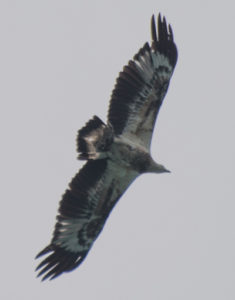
pixel 171 236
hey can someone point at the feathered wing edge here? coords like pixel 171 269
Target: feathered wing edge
pixel 163 41
pixel 141 86
pixel 60 260
pixel 74 205
pixel 83 211
pixel 73 202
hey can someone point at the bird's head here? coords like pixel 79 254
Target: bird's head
pixel 157 168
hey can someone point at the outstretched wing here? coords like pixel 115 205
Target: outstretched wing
pixel 83 211
pixel 142 85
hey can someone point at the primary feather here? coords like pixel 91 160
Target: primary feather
pixel 116 153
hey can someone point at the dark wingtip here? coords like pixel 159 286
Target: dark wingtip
pixel 153 30
pixel 58 262
pixel 162 32
pixel 170 32
pixel 163 39
pixel 44 251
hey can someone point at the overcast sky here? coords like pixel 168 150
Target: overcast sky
pixel 171 236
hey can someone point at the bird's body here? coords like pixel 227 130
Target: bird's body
pixel 132 157
pixel 116 153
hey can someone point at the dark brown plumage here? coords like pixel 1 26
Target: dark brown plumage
pixel 116 153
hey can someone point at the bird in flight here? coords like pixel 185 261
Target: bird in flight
pixel 116 153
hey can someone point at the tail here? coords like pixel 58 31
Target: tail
pixel 94 140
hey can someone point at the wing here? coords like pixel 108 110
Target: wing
pixel 142 85
pixel 83 210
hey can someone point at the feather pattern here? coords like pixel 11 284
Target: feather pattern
pixel 83 211
pixel 142 85
pixel 116 153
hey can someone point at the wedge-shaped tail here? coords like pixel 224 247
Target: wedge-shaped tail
pixel 94 139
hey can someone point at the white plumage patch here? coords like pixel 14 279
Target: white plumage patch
pixel 67 236
pixel 116 153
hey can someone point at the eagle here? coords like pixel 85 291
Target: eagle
pixel 116 153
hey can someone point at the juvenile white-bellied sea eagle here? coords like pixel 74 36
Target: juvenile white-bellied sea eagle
pixel 116 153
